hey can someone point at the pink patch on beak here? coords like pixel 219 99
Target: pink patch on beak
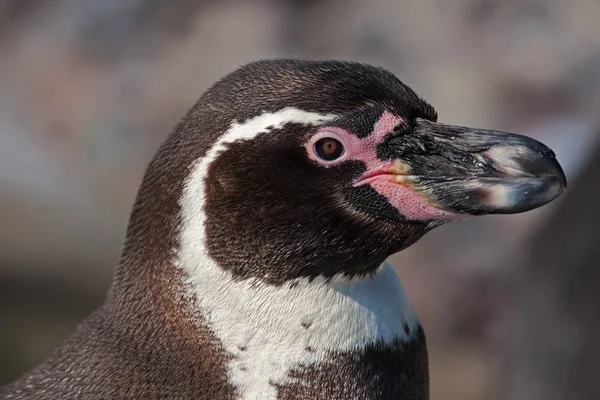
pixel 409 203
pixel 381 175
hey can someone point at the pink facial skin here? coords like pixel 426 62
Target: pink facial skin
pixel 383 176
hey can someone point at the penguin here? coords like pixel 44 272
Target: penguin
pixel 254 261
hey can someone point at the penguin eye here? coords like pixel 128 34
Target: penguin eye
pixel 329 149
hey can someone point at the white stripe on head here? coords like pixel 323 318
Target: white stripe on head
pixel 267 328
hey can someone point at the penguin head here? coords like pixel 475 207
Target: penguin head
pixel 290 169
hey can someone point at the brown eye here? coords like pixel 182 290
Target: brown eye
pixel 329 149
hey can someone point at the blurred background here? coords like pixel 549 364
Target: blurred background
pixel 89 89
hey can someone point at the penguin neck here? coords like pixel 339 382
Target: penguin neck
pixel 336 313
pixel 269 329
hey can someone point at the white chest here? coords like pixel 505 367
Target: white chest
pixel 271 330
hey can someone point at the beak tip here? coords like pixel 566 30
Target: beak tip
pixel 489 172
pixel 562 180
pixel 553 168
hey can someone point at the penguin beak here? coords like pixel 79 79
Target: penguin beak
pixel 476 171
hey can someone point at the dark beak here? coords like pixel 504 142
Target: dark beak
pixel 476 171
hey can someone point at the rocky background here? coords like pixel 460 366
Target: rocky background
pixel 89 89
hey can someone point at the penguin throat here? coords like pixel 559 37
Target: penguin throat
pixel 270 330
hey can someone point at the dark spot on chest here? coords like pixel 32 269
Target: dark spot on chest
pixel 379 372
